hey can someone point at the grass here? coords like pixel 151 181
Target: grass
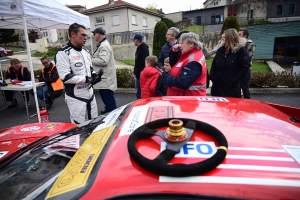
pixel 195 29
pixel 50 53
pixel 256 66
pixel 127 62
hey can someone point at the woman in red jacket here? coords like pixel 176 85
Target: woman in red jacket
pixel 149 77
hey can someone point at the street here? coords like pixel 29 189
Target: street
pixel 59 112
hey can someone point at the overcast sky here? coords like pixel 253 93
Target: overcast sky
pixel 168 6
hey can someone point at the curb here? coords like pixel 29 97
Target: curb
pixel 252 90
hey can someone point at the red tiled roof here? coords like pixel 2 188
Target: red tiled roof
pixel 75 6
pixel 118 4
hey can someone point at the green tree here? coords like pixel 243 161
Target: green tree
pixel 230 22
pixel 168 22
pixel 152 7
pixel 8 36
pixel 159 38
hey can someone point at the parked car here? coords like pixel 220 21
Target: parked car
pixel 5 52
pixel 158 148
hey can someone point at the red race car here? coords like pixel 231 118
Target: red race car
pixel 5 52
pixel 158 148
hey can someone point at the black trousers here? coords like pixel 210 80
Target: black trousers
pixel 9 95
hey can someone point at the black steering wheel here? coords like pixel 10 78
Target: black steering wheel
pixel 160 165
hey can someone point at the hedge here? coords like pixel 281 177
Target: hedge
pixel 126 79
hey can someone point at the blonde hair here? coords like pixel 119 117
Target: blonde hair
pixel 231 38
pixel 167 60
pixel 152 60
pixel 192 38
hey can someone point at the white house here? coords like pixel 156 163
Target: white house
pixel 121 19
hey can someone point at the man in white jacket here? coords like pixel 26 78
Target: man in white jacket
pixel 73 63
pixel 103 58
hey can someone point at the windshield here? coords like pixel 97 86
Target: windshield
pixel 33 172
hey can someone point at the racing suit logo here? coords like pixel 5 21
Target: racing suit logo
pixel 78 64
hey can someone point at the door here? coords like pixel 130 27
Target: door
pixel 198 20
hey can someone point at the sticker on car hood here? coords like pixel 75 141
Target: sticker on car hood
pixel 76 173
pixel 135 119
pixel 111 118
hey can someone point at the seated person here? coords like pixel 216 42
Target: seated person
pixel 54 85
pixel 16 71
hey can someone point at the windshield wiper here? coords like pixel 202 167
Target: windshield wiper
pixel 83 128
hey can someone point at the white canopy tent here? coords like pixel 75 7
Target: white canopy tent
pixel 35 14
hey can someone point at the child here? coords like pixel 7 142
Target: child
pixel 161 88
pixel 149 77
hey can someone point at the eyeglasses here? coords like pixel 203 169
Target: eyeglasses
pixel 44 63
pixel 168 34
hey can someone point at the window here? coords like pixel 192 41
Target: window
pixel 99 20
pixel 213 19
pixel 145 21
pixel 279 9
pixel 291 9
pixel 115 20
pixel 46 33
pixel 133 19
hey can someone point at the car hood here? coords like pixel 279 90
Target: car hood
pixel 14 139
pixel 262 161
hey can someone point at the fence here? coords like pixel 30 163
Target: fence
pixel 126 37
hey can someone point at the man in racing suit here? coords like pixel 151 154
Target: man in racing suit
pixel 73 63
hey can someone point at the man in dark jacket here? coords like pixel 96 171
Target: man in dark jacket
pixel 54 85
pixel 171 41
pixel 250 46
pixel 142 51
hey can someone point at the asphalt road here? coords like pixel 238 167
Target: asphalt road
pixel 59 112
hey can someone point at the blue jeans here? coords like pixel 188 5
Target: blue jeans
pixel 42 91
pixel 108 99
pixel 245 84
pixel 138 88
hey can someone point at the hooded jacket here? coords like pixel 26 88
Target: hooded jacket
pixel 227 70
pixel 148 81
pixel 141 53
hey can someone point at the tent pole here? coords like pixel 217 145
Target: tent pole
pixel 92 50
pixel 31 69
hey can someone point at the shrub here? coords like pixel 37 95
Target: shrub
pixel 125 78
pixel 159 38
pixel 272 80
pixel 168 22
pixel 230 22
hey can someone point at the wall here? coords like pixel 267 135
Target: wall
pixel 123 51
pixel 41 45
pixel 264 35
pixel 205 14
pixel 272 8
pixel 151 20
pixel 175 17
pixel 259 10
pixel 210 40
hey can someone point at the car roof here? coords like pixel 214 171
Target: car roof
pixel 262 160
